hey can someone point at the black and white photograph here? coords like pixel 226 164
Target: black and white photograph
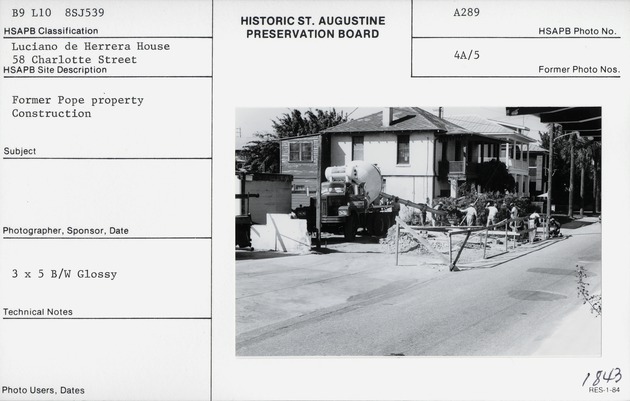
pixel 418 231
pixel 418 190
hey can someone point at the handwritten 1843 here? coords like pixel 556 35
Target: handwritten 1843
pixel 602 377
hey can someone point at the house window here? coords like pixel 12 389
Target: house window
pixel 357 148
pixel 403 149
pixel 300 152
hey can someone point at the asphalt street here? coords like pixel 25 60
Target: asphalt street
pixel 495 309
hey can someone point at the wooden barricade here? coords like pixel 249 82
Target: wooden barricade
pixel 452 231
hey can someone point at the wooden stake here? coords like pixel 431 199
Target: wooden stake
pixel 506 235
pixel 461 249
pixel 450 251
pixel 397 235
pixel 485 244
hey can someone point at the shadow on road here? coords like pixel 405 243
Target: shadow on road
pixel 552 270
pixel 576 224
pixel 531 295
pixel 250 255
pixel 360 239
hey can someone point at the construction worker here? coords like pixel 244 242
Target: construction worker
pixel 536 217
pixel 436 219
pixel 492 214
pixel 396 207
pixel 513 215
pixel 471 214
pixel 554 228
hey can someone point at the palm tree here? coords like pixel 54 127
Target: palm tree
pixel 263 154
pixel 584 159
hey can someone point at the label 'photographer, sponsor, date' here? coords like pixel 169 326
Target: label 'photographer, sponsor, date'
pixel 59 232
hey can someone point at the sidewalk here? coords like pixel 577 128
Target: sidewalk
pixel 520 251
pixel 527 248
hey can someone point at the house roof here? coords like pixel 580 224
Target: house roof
pixel 404 119
pixel 301 136
pixel 480 124
pixel 534 147
pixel 491 128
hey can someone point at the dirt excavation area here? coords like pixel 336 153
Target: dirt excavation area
pixel 473 246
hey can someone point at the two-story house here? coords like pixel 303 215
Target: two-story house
pixel 419 154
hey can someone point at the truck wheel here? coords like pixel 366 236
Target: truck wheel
pixel 350 228
pixel 379 227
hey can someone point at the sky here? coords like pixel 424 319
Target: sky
pixel 249 121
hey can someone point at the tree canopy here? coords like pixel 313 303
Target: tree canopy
pixel 295 124
pixel 585 152
pixel 262 155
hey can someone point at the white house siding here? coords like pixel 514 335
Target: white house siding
pixel 341 150
pixel 416 189
pixel 413 181
pixel 381 149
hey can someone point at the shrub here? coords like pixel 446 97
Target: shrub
pixel 502 201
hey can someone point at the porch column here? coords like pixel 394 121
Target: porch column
pixel 507 155
pixel 527 185
pixel 465 153
pixel 453 182
pixel 515 182
pixel 528 155
pixel 528 172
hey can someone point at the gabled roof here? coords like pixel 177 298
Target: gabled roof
pixel 300 136
pixel 492 128
pixel 480 124
pixel 404 119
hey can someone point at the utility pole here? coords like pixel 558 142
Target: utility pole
pixel 318 195
pixel 582 178
pixel 595 186
pixel 598 188
pixel 550 173
pixel 572 168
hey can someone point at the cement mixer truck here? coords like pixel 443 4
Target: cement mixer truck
pixel 352 197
